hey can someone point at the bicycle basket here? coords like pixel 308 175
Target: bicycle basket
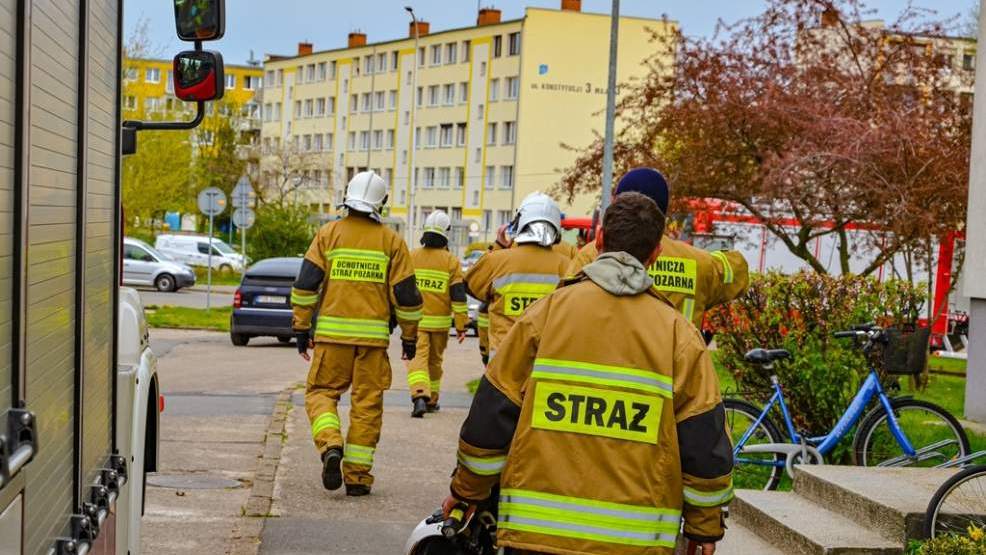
pixel 906 353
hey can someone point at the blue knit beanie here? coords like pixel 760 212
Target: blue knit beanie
pixel 647 181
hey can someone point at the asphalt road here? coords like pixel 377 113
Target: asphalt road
pixel 222 295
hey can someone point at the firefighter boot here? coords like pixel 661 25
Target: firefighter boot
pixel 420 407
pixel 357 490
pixel 331 473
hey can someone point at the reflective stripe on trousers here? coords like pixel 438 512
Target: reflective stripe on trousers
pixel 601 374
pixel 358 454
pixel 588 519
pixel 325 421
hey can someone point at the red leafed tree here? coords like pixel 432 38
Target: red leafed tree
pixel 807 111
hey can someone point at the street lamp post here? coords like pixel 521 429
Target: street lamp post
pixel 610 108
pixel 411 208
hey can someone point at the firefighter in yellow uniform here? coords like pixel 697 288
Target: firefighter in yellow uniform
pixel 600 417
pixel 503 241
pixel 439 277
pixel 694 280
pixel 356 272
pixel 512 279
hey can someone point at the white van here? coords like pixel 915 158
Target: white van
pixel 194 251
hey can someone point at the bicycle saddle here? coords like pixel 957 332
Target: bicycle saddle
pixel 766 356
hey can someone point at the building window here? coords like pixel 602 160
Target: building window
pixel 491 134
pixel 353 103
pixel 497 46
pixel 267 111
pixel 444 178
pixel 309 108
pixel 297 109
pixel 390 139
pixel 404 157
pixel 381 101
pixel 394 59
pixel 378 139
pixel 299 74
pixel 494 90
pixel 513 48
pixel 482 69
pixel 429 178
pixel 451 52
pixel 130 102
pixel 306 142
pixel 487 220
pixel 478 156
pixel 407 117
pixel 319 107
pixel 269 77
pixel 480 113
pixel 431 137
pixel 460 134
pixel 463 92
pixel 367 102
pixel 230 82
pixel 466 50
pixel 490 177
pixel 436 54
pixel 421 56
pixel 404 194
pixel 509 132
pixel 345 85
pixel 392 100
pixel 330 105
pixel 450 94
pixel 153 75
pixel 278 111
pixel 364 140
pixel 332 70
pixel 513 88
pixel 433 95
pixel 368 65
pixel 310 73
pixel 421 96
pixel 280 77
pixel 130 74
pixel 447 135
pixel 969 61
pixel 328 141
pixel 502 217
pixel 417 138
pixel 323 71
pixel 317 142
pixel 352 140
pixel 506 177
pixel 169 83
pixel 459 178
pixel 250 82
pixel 382 62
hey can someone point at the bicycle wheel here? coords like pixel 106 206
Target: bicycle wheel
pixel 958 504
pixel 932 431
pixel 753 470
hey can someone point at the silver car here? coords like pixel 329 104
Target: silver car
pixel 143 265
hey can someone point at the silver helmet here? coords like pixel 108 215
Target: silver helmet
pixel 538 220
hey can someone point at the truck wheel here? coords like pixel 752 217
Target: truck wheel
pixel 239 339
pixel 165 283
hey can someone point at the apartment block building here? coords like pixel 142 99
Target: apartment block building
pixel 149 87
pixel 477 128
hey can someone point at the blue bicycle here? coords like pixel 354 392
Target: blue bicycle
pixel 895 432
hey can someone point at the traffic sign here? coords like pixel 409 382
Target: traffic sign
pixel 212 201
pixel 243 194
pixel 244 218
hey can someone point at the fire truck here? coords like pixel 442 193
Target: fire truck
pixel 79 392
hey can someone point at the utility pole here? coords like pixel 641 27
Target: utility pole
pixel 614 34
pixel 411 208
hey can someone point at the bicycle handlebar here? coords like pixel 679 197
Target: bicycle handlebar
pixel 453 524
pixel 848 334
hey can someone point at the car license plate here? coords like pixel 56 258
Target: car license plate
pixel 271 299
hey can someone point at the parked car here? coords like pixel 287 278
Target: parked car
pixel 470 259
pixel 145 265
pixel 194 251
pixel 262 303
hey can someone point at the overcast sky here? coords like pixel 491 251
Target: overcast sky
pixel 277 26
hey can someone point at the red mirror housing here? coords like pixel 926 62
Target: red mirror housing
pixel 199 75
pixel 200 19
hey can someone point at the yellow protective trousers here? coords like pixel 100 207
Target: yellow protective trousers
pixel 335 369
pixel 424 373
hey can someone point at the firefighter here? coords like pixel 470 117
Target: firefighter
pixel 503 241
pixel 693 279
pixel 600 418
pixel 439 278
pixel 511 279
pixel 363 272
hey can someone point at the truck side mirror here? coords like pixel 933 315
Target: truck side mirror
pixel 200 20
pixel 199 75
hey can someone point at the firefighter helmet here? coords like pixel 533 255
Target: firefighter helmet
pixel 538 207
pixel 438 222
pixel 366 192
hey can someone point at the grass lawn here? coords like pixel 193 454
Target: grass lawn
pixel 218 278
pixel 188 318
pixel 947 365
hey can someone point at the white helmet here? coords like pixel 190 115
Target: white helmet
pixel 366 192
pixel 438 222
pixel 538 207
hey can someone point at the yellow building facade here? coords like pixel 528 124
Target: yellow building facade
pixel 493 104
pixel 149 88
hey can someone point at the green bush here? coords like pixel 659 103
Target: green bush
pixel 972 544
pixel 800 313
pixel 279 231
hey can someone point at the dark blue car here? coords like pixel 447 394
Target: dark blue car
pixel 262 304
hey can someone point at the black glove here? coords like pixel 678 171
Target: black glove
pixel 410 348
pixel 302 338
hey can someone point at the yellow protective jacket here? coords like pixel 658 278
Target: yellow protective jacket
pixel 510 280
pixel 362 272
pixel 567 249
pixel 694 280
pixel 602 423
pixel 439 278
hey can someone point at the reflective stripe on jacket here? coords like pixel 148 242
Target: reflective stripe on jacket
pixel 694 280
pixel 439 278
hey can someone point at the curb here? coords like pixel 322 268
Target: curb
pixel 247 532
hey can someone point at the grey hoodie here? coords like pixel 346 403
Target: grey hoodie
pixel 619 273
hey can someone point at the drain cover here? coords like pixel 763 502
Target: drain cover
pixel 192 481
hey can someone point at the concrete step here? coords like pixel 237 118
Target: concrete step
pixel 739 540
pixel 794 524
pixel 891 501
